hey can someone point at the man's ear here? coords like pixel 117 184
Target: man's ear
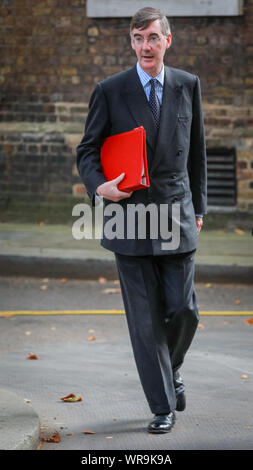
pixel 169 41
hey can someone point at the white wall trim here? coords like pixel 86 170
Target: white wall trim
pixel 171 8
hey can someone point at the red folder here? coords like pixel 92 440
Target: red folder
pixel 126 153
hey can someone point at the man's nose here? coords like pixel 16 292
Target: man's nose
pixel 146 43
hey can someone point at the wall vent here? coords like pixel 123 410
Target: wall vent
pixel 221 177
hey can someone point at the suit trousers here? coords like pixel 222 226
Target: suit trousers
pixel 162 316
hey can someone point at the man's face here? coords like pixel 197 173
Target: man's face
pixel 150 46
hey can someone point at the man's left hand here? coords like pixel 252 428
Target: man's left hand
pixel 199 223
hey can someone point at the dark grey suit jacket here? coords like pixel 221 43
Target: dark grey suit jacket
pixel 176 157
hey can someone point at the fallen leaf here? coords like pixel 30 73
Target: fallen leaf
pixel 244 376
pixel 43 287
pixel 72 398
pixel 111 290
pixel 239 231
pixel 54 438
pixel 116 281
pixel 91 338
pixel 53 328
pixel 26 400
pixel 249 321
pixel 237 302
pixel 45 279
pixel 102 280
pixel 208 284
pixel 200 325
pixel 109 437
pixel 63 280
pixel 91 331
pixel 71 395
pixel 88 432
pixel 32 356
pixel 27 333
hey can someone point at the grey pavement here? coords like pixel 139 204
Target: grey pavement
pixel 42 250
pixel 219 412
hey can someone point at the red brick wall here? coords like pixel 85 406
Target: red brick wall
pixel 51 56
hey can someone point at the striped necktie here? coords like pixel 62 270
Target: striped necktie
pixel 154 103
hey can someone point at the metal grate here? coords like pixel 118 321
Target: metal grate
pixel 221 177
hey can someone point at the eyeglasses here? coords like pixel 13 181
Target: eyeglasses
pixel 151 40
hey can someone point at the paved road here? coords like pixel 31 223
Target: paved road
pixel 219 412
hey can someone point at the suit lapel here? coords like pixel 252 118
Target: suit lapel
pixel 136 100
pixel 172 93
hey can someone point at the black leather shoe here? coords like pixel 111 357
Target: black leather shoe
pixel 181 401
pixel 180 392
pixel 162 423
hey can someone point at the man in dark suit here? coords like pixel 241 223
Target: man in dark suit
pixel 156 279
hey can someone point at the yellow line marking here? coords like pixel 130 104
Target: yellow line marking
pixel 107 312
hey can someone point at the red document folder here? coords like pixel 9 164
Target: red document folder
pixel 126 153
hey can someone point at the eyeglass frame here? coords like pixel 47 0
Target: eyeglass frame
pixel 154 36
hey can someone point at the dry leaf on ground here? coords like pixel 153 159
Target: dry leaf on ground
pixel 63 280
pixel 200 325
pixel 88 432
pixel 32 356
pixel 239 231
pixel 43 287
pixel 244 376
pixel 54 438
pixel 102 280
pixel 249 321
pixel 91 338
pixel 237 302
pixel 111 290
pixel 71 398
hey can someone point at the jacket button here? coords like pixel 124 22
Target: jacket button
pixel 179 152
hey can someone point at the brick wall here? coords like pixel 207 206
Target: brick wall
pixel 51 56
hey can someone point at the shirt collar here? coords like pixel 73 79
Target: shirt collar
pixel 145 78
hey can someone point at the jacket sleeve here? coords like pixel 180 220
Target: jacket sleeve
pixel 97 128
pixel 197 166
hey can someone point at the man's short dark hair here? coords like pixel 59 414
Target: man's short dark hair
pixel 145 16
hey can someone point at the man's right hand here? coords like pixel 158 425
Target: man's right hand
pixel 110 191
